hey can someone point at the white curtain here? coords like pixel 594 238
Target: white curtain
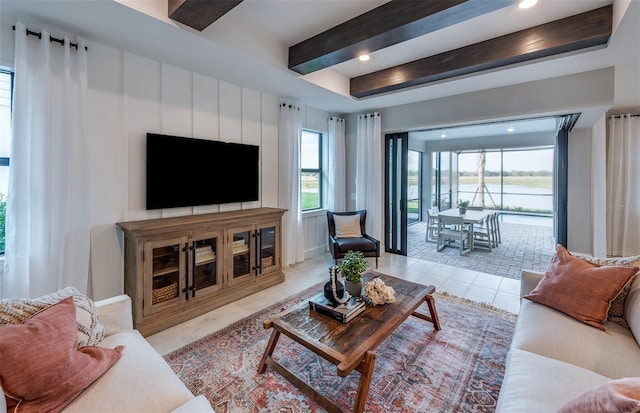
pixel 369 171
pixel 336 175
pixel 623 186
pixel 289 130
pixel 47 224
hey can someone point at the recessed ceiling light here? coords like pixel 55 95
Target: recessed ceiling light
pixel 363 57
pixel 525 4
pixel 510 130
pixel 444 135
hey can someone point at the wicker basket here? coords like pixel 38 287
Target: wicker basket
pixel 165 293
pixel 267 261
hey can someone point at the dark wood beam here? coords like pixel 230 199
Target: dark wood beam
pixel 592 28
pixel 199 14
pixel 384 26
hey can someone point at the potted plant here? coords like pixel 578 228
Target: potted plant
pixel 351 267
pixel 462 206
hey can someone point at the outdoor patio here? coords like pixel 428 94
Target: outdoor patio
pixel 527 243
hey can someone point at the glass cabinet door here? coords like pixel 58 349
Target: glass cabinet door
pixel 268 245
pixel 206 273
pixel 242 266
pixel 164 272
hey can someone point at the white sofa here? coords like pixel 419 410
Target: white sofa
pixel 140 381
pixel 554 358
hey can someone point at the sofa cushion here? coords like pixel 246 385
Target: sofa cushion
pixel 533 383
pixel 195 405
pixel 347 226
pixel 545 331
pixel 40 367
pixel 141 381
pixel 616 311
pixel 632 309
pixel 615 396
pixel 88 324
pixel 580 289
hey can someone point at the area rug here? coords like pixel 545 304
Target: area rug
pixel 418 369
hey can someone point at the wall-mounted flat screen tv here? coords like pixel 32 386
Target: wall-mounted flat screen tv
pixel 188 172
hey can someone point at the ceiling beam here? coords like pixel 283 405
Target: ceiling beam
pixel 384 26
pixel 592 28
pixel 199 14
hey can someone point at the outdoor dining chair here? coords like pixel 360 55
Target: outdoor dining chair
pixel 453 229
pixel 431 234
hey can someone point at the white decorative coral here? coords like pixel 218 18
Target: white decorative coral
pixel 378 293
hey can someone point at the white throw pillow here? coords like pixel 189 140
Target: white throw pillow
pixel 347 226
pixel 90 328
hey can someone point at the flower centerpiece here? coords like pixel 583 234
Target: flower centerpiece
pixel 462 206
pixel 352 266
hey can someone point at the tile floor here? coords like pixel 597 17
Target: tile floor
pixel 468 283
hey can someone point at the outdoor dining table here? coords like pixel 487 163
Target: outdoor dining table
pixel 472 217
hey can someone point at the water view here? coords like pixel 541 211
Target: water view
pixel 511 197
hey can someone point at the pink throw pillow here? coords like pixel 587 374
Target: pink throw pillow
pixel 40 367
pixel 580 289
pixel 615 396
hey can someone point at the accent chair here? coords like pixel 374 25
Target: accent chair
pixel 347 233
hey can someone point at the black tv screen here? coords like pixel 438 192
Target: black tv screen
pixel 188 172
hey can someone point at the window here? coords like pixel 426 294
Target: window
pixel 311 170
pixel 6 87
pixel 519 180
pixel 414 171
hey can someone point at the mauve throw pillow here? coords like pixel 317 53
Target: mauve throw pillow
pixel 580 289
pixel 615 396
pixel 616 311
pixel 41 370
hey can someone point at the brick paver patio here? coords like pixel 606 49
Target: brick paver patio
pixel 525 245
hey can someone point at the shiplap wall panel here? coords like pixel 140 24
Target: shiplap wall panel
pixel 251 129
pixel 177 114
pixel 108 195
pixel 205 107
pixel 205 119
pixel 230 112
pixel 142 114
pixel 230 125
pixel 177 101
pixel 269 151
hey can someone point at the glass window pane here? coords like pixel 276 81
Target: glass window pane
pixel 310 190
pixel 310 150
pixel 528 180
pixel 413 187
pixel 5 115
pixel 5 148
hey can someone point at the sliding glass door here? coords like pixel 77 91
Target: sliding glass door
pixel 396 162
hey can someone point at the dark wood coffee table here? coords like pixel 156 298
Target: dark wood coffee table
pixel 349 346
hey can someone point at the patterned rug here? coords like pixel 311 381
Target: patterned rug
pixel 418 369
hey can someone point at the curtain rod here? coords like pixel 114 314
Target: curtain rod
pixel 635 115
pixel 51 38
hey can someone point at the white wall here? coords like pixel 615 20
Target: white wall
pixel 579 192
